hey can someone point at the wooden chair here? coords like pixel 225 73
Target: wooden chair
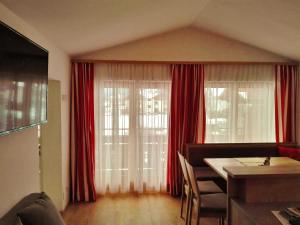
pixel 206 187
pixel 206 205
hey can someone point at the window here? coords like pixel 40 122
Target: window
pixel 131 134
pixel 238 108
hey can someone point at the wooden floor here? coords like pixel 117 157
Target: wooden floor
pixel 146 209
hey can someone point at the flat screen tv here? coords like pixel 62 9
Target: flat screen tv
pixel 23 81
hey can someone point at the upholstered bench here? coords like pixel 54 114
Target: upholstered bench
pixel 195 154
pixel 289 151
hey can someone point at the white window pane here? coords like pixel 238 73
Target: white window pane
pixel 240 111
pixel 134 136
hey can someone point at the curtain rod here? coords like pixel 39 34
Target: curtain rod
pixel 183 62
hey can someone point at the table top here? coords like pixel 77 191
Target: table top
pixel 241 167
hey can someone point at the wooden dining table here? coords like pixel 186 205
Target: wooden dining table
pixel 250 184
pixel 219 164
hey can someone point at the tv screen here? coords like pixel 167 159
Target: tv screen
pixel 23 81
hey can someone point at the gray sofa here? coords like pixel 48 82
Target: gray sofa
pixel 34 209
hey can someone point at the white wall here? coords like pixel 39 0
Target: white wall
pixel 19 164
pixel 19 151
pixel 187 44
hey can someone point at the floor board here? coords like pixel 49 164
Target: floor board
pixel 131 209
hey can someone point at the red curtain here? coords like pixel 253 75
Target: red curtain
pixel 187 94
pixel 82 133
pixel 285 103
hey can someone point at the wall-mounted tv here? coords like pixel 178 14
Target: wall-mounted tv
pixel 23 81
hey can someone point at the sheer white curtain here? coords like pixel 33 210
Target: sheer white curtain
pixel 239 103
pixel 131 126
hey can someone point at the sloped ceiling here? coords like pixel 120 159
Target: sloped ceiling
pixel 79 26
pixel 187 44
pixel 82 25
pixel 269 24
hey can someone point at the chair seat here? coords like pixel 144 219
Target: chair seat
pixel 206 187
pixel 213 203
pixel 205 173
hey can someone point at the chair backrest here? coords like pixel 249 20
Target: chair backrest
pixel 192 179
pixel 183 167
